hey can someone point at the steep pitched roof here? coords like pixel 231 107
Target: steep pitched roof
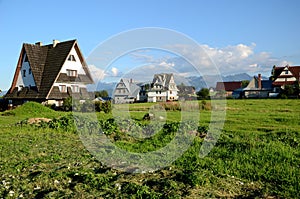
pixel 295 71
pixel 46 62
pixel 163 79
pixel 133 89
pixel 228 86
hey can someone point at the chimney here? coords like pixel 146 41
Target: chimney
pixel 39 43
pixel 259 81
pixel 55 42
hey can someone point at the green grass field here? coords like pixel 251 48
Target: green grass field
pixel 256 156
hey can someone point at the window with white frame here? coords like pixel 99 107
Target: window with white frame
pixel 63 88
pixel 72 73
pixel 75 88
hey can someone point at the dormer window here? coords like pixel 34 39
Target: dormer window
pixel 71 58
pixel 72 73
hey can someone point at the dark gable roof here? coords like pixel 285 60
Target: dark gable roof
pixel 228 86
pixel 295 70
pixel 163 79
pixel 56 57
pixel 46 62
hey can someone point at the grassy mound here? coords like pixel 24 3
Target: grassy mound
pixel 32 109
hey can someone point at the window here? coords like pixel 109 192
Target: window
pixel 26 58
pixel 286 72
pixel 24 73
pixel 170 92
pixel 29 72
pixel 75 88
pixel 72 73
pixel 63 88
pixel 71 58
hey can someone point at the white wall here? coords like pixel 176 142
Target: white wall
pixel 73 65
pixel 28 80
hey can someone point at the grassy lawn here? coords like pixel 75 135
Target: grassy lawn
pixel 257 155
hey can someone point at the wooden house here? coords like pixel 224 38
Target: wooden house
pixel 287 75
pixel 50 73
pixel 227 87
pixel 126 91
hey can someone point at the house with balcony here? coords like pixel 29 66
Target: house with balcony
pixel 50 73
pixel 162 88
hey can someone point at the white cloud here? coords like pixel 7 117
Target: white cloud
pixel 97 73
pixel 230 59
pixel 114 71
pixel 165 64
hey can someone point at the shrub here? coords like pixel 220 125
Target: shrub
pixel 67 104
pixel 171 106
pixel 103 106
pixel 205 105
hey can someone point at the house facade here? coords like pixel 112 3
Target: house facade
pixel 126 91
pixel 186 92
pixel 163 88
pixel 226 88
pixel 257 88
pixel 50 73
pixel 287 75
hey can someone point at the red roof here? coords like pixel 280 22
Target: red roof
pixel 228 86
pixel 295 70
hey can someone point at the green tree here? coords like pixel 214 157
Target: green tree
pixel 245 83
pixel 67 104
pixel 102 93
pixel 272 77
pixel 203 93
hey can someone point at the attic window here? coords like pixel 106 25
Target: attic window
pixel 24 73
pixel 63 88
pixel 286 72
pixel 26 58
pixel 72 73
pixel 29 72
pixel 71 58
pixel 75 89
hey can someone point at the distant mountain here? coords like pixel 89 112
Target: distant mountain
pixel 3 93
pixel 109 87
pixel 237 77
pixel 210 80
pixel 198 82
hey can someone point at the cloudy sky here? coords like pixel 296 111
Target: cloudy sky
pixel 233 36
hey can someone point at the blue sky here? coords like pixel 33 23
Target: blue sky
pixel 242 36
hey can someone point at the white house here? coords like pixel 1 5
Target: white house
pixel 163 88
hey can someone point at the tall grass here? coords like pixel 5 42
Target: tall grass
pixel 256 156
